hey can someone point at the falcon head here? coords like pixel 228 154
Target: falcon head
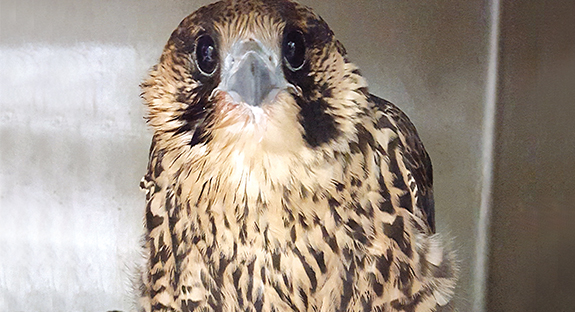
pixel 262 76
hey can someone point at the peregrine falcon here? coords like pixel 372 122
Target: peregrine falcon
pixel 276 181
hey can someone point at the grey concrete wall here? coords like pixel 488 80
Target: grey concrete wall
pixel 532 258
pixel 73 144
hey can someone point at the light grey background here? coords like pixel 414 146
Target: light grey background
pixel 73 143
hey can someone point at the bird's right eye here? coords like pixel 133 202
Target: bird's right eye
pixel 206 55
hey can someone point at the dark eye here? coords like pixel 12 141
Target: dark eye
pixel 294 50
pixel 206 55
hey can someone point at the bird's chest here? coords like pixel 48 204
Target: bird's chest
pixel 279 246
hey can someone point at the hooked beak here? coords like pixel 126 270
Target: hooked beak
pixel 252 73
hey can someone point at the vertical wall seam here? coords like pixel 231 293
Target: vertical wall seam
pixel 482 247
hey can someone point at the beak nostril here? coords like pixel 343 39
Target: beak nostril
pixel 251 74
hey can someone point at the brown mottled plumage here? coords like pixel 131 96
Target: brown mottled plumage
pixel 314 196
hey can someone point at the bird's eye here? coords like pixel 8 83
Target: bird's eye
pixel 294 50
pixel 206 55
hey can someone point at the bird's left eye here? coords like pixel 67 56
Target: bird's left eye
pixel 293 49
pixel 206 55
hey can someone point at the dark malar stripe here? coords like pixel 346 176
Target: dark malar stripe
pixel 319 126
pixel 198 114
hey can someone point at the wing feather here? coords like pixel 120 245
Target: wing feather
pixel 415 157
